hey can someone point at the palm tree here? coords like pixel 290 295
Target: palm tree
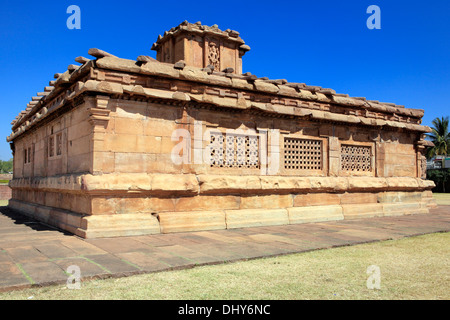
pixel 440 136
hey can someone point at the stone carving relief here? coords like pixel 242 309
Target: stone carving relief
pixel 214 54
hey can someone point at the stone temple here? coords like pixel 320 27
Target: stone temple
pixel 117 147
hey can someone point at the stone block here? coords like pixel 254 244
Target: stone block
pixel 404 171
pixel 402 183
pixel 227 183
pixel 128 126
pixel 274 201
pixel 131 204
pixel 191 221
pixel 104 162
pixel 316 199
pixel 401 159
pixel 129 143
pixel 329 184
pixel 206 203
pixel 256 218
pixel 79 130
pixel 79 163
pixel 399 196
pixel 285 183
pixel 127 162
pixel 315 214
pixel 397 209
pixel 366 183
pixel 358 197
pixel 80 145
pixel 118 225
pixel 175 182
pixel 356 211
pixel 132 109
pixel 429 203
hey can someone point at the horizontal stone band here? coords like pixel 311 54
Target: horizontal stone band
pixel 211 184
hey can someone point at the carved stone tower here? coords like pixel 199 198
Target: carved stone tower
pixel 202 46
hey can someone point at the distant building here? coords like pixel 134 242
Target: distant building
pixel 438 162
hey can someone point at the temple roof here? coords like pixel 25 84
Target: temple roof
pixel 198 28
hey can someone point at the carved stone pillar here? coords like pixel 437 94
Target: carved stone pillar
pixel 99 118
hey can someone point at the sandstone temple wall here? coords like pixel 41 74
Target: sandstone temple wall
pixel 61 146
pixel 131 180
pixel 117 147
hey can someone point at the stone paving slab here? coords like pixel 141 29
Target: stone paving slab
pixel 33 254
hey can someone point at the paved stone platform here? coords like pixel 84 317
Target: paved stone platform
pixel 35 254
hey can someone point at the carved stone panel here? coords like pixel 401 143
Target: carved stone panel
pixel 214 54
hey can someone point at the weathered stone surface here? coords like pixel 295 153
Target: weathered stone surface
pixel 266 201
pixel 255 217
pixel 192 221
pixel 118 225
pixel 356 211
pixel 394 197
pixel 222 183
pixel 358 197
pixel 316 199
pixel 206 202
pixel 99 53
pixel 180 65
pixel 367 183
pixel 396 209
pixel 143 58
pixel 309 214
pixel 174 183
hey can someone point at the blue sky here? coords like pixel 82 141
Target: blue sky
pixel 324 43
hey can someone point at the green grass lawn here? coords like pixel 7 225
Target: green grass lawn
pixel 442 198
pixel 410 268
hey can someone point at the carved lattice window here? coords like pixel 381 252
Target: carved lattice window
pixel 356 158
pixel 59 144
pixel 302 154
pixel 51 146
pixel 234 151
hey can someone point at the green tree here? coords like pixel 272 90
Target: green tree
pixel 440 178
pixel 6 166
pixel 440 136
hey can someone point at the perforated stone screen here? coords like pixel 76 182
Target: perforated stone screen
pixel 302 154
pixel 356 158
pixel 234 151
